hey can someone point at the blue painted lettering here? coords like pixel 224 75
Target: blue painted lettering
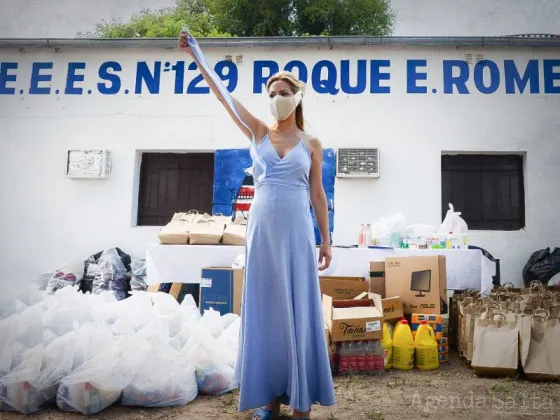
pixel 327 85
pixel 37 77
pixel 361 77
pixel 413 76
pixel 5 77
pixel 551 77
pixel 231 76
pixel 145 76
pixel 179 70
pixel 479 76
pixel 376 76
pixel 302 69
pixel 193 88
pixel 460 81
pixel 72 78
pixel 107 72
pixel 513 78
pixel 259 80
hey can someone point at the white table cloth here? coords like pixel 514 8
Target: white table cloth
pixel 466 269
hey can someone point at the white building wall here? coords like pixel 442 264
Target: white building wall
pixel 46 218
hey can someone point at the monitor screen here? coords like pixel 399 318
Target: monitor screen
pixel 421 281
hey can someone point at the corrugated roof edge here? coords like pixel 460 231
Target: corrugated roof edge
pixel 502 41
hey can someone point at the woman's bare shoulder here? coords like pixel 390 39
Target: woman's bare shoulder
pixel 312 142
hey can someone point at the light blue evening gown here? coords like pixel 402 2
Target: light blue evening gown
pixel 282 348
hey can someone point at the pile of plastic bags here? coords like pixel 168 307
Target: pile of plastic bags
pixel 85 352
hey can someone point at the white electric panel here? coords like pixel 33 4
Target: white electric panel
pixel 88 164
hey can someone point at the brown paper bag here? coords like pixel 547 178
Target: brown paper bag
pixel 234 234
pixel 496 346
pixel 539 341
pixel 176 232
pixel 206 231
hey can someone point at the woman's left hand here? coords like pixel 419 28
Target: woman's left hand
pixel 325 256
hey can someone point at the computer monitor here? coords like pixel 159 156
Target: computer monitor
pixel 421 281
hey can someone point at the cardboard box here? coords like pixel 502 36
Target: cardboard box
pixel 221 289
pixel 434 321
pixel 420 282
pixel 377 278
pixel 352 324
pixel 392 308
pixel 343 287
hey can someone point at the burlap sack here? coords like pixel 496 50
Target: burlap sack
pixel 496 346
pixel 176 232
pixel 234 234
pixel 206 231
pixel 539 341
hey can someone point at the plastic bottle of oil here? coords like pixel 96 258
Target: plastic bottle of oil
pixel 403 347
pixel 387 343
pixel 426 348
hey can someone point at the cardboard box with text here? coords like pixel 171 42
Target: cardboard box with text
pixel 352 323
pixel 343 287
pixel 377 278
pixel 420 282
pixel 221 289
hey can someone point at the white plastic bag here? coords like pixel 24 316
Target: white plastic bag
pixel 212 321
pixel 96 384
pixel 28 388
pixel 414 231
pixel 230 340
pixel 68 275
pixel 16 391
pixel 229 319
pixel 162 378
pixel 214 375
pixel 453 223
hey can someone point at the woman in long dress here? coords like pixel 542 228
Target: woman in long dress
pixel 283 356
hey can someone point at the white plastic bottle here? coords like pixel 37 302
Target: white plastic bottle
pixel 368 235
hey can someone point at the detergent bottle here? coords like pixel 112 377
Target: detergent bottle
pixel 426 347
pixel 387 343
pixel 403 346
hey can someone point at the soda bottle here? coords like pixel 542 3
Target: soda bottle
pixel 352 356
pixel 361 351
pixel 362 236
pixel 343 359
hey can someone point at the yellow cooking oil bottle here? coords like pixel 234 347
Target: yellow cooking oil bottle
pixel 387 344
pixel 426 347
pixel 403 346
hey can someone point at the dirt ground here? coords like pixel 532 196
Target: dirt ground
pixel 452 392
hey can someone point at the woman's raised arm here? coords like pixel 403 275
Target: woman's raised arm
pixel 256 126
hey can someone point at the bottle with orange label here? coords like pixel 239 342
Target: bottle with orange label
pixel 426 348
pixel 403 346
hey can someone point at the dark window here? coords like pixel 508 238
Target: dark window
pixel 173 182
pixel 487 189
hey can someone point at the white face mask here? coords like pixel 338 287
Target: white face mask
pixel 283 106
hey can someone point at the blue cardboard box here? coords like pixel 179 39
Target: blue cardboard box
pixel 221 289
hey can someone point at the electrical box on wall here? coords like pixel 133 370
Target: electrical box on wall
pixel 357 163
pixel 88 164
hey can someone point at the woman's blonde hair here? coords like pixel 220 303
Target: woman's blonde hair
pixel 296 86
